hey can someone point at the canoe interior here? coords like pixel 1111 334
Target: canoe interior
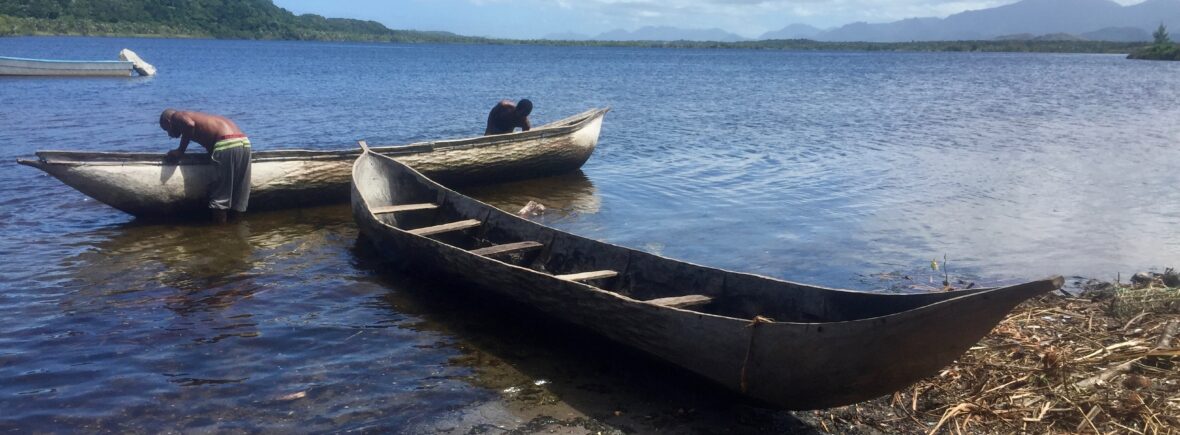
pixel 637 275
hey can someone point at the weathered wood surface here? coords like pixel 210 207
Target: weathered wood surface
pixel 688 301
pixel 14 66
pixel 404 207
pixel 790 345
pixel 587 276
pixel 143 185
pixel 445 228
pixel 508 248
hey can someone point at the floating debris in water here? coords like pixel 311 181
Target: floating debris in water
pixel 533 208
pixel 294 396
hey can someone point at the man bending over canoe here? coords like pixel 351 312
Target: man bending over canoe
pixel 506 116
pixel 228 148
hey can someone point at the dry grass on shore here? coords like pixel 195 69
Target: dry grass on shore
pixel 1104 363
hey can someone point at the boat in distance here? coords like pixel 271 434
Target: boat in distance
pixel 785 344
pixel 142 184
pixel 129 61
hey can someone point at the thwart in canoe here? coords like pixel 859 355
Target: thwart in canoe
pixel 790 345
pixel 143 185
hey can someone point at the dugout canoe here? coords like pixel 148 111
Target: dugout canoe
pixel 143 185
pixel 786 344
pixel 129 61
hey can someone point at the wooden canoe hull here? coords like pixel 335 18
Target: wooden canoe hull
pixel 827 347
pixel 12 66
pixel 142 185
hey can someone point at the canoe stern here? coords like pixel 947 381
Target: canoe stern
pixel 812 366
pixel 512 156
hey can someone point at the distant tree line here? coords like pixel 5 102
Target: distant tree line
pixel 1161 49
pixel 810 45
pixel 236 19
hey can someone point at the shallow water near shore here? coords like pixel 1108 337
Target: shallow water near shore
pixel 827 168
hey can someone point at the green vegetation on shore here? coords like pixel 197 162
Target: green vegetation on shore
pixel 261 19
pixel 920 46
pixel 1162 49
pixel 238 19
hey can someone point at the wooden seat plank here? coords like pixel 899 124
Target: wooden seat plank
pixel 586 276
pixel 403 207
pixel 445 228
pixel 682 301
pixel 507 248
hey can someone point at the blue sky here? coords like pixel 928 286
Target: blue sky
pixel 537 18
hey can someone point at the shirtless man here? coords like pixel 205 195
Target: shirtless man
pixel 506 116
pixel 228 147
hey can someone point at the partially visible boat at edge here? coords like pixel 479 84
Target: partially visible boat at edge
pixel 143 185
pixel 129 61
pixel 790 345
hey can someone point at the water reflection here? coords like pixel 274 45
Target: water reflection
pixel 540 374
pixel 163 317
pixel 564 196
pixel 537 373
pixel 196 258
pixel 210 266
pixel 200 327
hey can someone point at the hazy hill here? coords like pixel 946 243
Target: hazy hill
pixel 1120 34
pixel 1016 37
pixel 1045 37
pixel 1037 16
pixel 1059 37
pixel 793 31
pixel 1092 19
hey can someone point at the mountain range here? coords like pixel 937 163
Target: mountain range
pixel 1095 20
pixel 1087 19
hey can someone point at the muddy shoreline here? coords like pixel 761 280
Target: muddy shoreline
pixel 550 378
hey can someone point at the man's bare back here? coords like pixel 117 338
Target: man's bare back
pixel 506 116
pixel 203 128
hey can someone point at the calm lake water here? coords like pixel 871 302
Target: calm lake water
pixel 840 169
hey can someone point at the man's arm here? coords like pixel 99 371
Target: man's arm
pixel 174 155
pixel 184 140
pixel 525 125
pixel 187 127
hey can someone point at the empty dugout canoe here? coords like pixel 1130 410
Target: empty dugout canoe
pixel 791 345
